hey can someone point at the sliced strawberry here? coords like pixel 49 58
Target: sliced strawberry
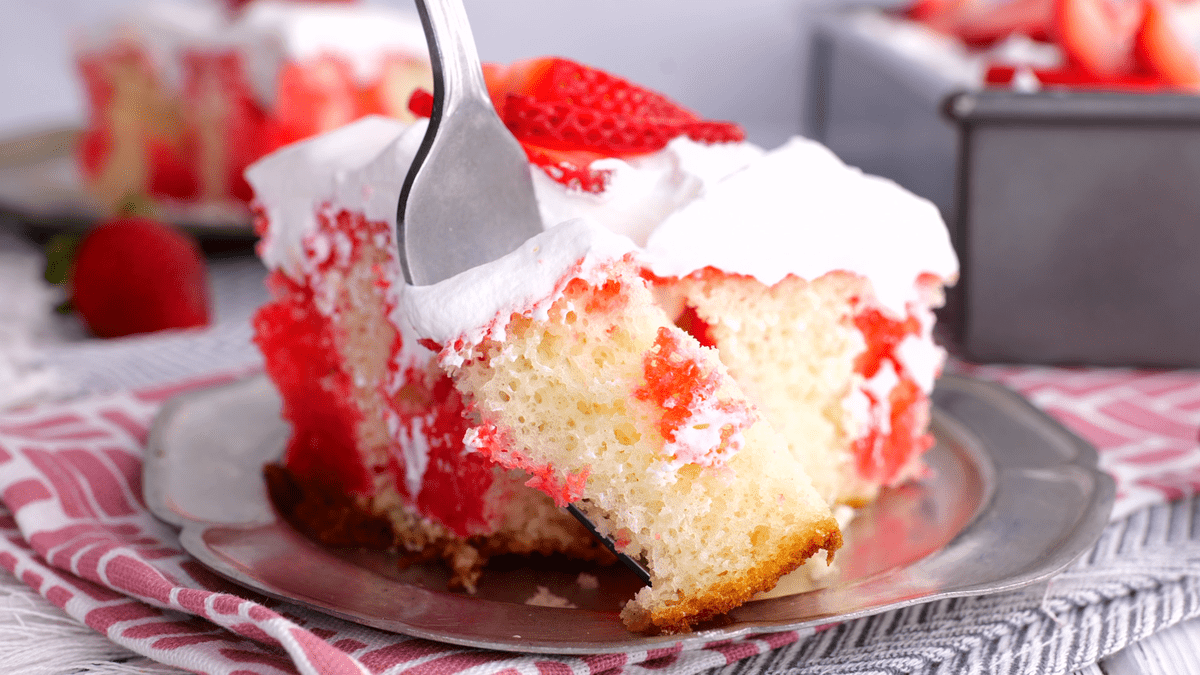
pixel 556 80
pixel 134 275
pixel 570 167
pixel 1098 35
pixel 421 103
pixel 1163 50
pixel 567 116
pixel 560 104
pixel 569 126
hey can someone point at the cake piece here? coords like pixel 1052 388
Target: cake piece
pixel 723 318
pixel 183 97
pixel 573 374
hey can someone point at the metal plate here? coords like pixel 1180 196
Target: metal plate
pixel 1011 498
pixel 40 184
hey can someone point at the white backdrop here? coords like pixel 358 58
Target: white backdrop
pixel 740 60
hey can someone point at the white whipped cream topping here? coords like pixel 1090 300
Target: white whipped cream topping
pixel 267 34
pixel 643 191
pixel 477 303
pixel 800 210
pixel 415 448
pixel 360 167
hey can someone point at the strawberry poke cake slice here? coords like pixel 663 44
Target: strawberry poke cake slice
pixel 573 374
pixel 715 345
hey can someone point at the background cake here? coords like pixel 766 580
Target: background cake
pixel 183 97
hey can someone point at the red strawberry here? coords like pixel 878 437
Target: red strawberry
pixel 1098 35
pixel 567 115
pixel 134 275
pixel 559 104
pixel 1164 51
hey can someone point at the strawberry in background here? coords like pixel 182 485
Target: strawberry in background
pixel 1138 45
pixel 136 275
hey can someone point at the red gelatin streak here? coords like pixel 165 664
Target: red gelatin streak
pixel 298 348
pixel 497 445
pixel 677 382
pixel 302 355
pixel 881 457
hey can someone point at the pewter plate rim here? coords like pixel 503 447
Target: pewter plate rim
pixel 1051 468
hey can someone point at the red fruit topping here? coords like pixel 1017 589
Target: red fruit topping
pixel 421 103
pixel 570 126
pixel 1164 52
pixel 318 96
pixel 1120 45
pixel 559 104
pixel 567 115
pixel 984 22
pixel 1098 35
pixel 135 275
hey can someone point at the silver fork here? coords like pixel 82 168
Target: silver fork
pixel 468 198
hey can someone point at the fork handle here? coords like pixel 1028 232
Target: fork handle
pixel 457 73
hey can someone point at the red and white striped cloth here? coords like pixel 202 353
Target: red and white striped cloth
pixel 75 529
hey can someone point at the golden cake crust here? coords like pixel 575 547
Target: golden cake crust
pixel 682 616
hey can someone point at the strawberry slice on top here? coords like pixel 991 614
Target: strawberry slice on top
pixel 1098 36
pixel 1164 48
pixel 567 115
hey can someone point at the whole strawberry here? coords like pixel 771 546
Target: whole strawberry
pixel 135 275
